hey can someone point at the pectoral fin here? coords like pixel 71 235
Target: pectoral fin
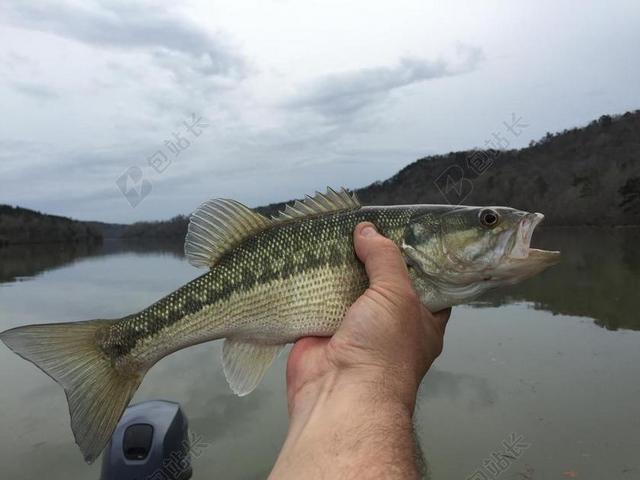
pixel 245 364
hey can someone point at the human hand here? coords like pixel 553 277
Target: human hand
pixel 387 339
pixel 351 397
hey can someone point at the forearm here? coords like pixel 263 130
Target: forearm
pixel 345 429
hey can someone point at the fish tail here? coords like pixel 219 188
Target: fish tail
pixel 96 392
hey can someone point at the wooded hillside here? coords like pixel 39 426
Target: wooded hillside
pixel 21 225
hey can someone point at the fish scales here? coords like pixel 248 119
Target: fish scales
pixel 294 279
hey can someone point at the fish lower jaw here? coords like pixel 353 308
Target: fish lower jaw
pixel 552 256
pixel 532 253
pixel 536 260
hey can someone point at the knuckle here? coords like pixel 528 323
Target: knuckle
pixel 386 297
pixel 387 246
pixel 404 300
pixel 410 297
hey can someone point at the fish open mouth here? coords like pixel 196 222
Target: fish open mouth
pixel 522 249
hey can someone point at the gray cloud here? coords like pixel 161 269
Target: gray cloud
pixel 343 94
pixel 35 90
pixel 126 76
pixel 130 26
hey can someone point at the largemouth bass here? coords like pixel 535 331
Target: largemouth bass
pixel 270 282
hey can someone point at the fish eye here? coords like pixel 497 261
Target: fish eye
pixel 489 218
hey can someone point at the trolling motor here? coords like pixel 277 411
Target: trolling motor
pixel 151 442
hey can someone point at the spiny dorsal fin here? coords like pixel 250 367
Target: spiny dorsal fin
pixel 217 226
pixel 245 364
pixel 320 203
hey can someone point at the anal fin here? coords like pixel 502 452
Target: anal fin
pixel 245 363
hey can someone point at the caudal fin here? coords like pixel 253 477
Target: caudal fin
pixel 97 393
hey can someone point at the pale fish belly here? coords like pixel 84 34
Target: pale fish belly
pixel 310 303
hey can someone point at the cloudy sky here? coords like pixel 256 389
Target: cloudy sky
pixel 267 100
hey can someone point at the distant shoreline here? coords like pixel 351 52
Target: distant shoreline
pixel 581 177
pixel 172 240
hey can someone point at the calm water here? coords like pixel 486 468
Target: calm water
pixel 555 361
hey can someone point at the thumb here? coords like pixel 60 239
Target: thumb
pixel 381 257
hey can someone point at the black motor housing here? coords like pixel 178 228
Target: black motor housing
pixel 151 442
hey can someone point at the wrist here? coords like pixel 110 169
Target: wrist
pixel 369 387
pixel 349 424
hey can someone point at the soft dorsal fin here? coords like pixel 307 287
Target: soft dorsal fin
pixel 245 363
pixel 217 226
pixel 320 203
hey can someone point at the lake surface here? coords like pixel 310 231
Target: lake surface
pixel 553 363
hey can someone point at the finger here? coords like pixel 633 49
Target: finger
pixel 303 356
pixel 442 318
pixel 381 257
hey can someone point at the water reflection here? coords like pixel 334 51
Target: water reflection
pixel 598 277
pixel 441 384
pixel 19 262
pixel 570 387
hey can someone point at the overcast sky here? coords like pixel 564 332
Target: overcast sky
pixel 289 96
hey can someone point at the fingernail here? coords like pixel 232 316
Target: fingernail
pixel 368 231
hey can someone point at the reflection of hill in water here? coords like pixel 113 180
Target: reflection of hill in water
pixel 598 277
pixel 20 261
